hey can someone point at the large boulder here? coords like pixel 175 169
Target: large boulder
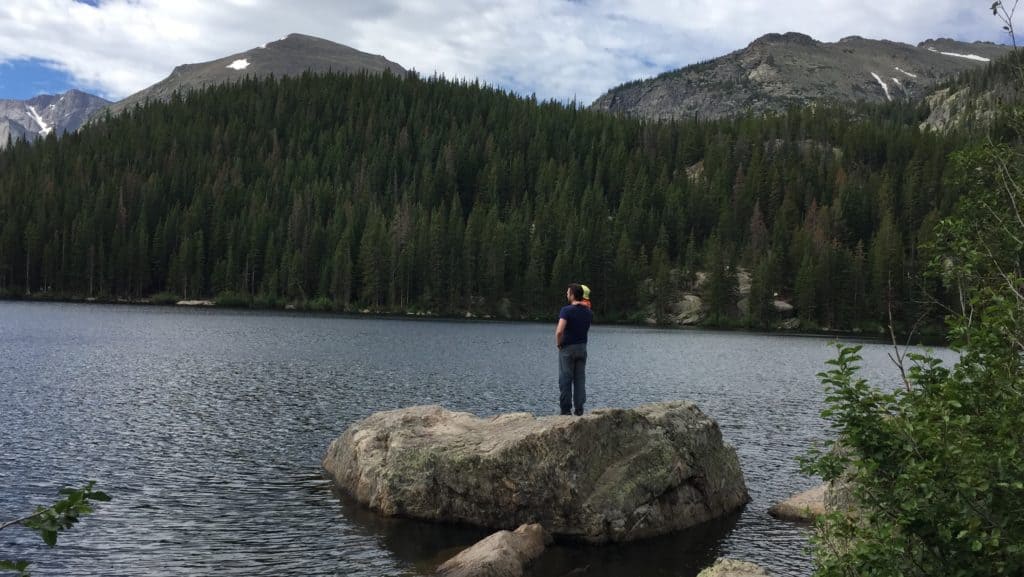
pixel 502 554
pixel 611 475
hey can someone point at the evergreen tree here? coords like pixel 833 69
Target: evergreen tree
pixel 721 288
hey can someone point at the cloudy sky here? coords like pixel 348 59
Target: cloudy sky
pixel 560 49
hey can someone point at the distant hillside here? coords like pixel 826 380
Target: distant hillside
pixel 777 71
pixel 289 56
pixel 44 114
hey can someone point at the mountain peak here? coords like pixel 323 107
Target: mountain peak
pixel 46 113
pixel 296 37
pixel 288 56
pixel 786 38
pixel 777 71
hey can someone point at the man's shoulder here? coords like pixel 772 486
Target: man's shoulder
pixel 575 311
pixel 585 313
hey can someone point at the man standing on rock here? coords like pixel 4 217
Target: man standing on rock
pixel 571 338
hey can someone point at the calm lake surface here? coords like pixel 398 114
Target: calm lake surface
pixel 207 427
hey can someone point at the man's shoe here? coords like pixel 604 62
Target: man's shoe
pixel 566 413
pixel 579 412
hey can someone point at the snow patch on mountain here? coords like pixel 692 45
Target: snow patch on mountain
pixel 240 64
pixel 898 69
pixel 44 128
pixel 967 56
pixel 902 88
pixel 885 86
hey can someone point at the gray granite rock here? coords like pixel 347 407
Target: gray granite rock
pixel 611 475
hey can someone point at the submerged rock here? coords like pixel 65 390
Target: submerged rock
pixel 503 554
pixel 803 507
pixel 732 568
pixel 812 503
pixel 611 475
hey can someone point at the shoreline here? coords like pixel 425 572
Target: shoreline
pixel 468 316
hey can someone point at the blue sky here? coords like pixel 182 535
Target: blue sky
pixel 23 79
pixel 561 49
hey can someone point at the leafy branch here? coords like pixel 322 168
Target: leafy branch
pixel 49 521
pixel 1005 14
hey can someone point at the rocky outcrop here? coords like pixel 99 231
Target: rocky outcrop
pixel 611 475
pixel 732 568
pixel 802 507
pixel 688 310
pixel 503 554
pixel 778 71
pixel 954 107
pixel 789 324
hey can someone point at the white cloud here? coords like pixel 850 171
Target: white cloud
pixel 556 48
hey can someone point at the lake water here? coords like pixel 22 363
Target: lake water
pixel 207 427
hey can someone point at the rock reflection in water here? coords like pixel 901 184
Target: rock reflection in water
pixel 424 545
pixel 680 554
pixel 421 545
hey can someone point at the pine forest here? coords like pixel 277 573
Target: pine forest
pixel 423 195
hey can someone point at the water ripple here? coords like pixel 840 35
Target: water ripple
pixel 207 427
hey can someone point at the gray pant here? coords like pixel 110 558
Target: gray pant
pixel 572 377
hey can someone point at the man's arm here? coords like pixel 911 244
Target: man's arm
pixel 559 331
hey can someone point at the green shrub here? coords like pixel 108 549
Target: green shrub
pixel 935 469
pixel 319 304
pixel 232 299
pixel 164 298
pixel 262 301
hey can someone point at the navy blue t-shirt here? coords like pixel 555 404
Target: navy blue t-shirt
pixel 578 319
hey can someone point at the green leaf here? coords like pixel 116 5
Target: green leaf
pixel 49 537
pixel 19 566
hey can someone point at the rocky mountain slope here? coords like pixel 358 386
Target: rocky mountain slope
pixel 781 70
pixel 40 115
pixel 977 99
pixel 291 55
